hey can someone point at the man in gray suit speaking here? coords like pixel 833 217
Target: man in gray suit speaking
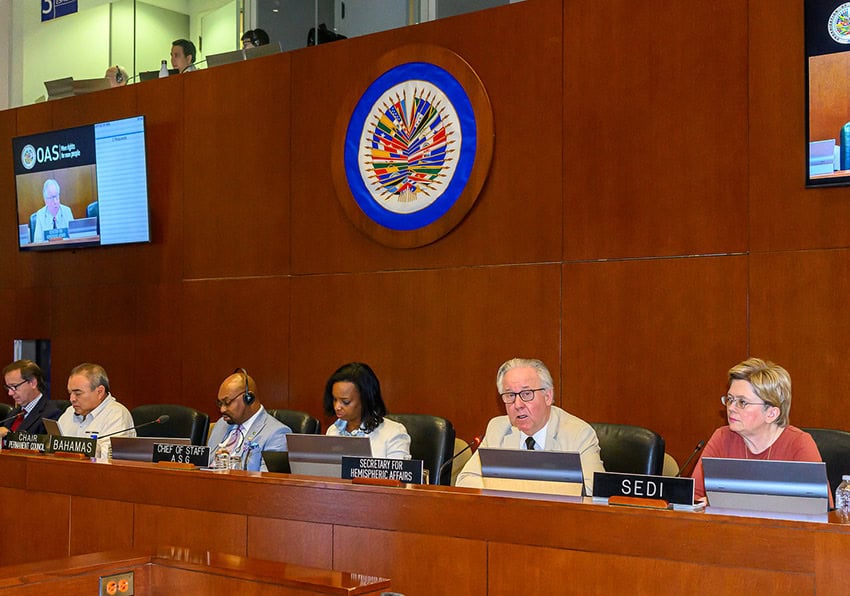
pixel 534 422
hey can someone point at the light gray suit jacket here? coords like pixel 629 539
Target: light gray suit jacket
pixel 564 433
pixel 266 434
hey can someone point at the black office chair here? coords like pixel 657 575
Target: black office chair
pixel 93 210
pixel 32 231
pixel 630 449
pixel 834 447
pixel 432 440
pixel 62 404
pixel 299 422
pixel 183 422
pixel 4 413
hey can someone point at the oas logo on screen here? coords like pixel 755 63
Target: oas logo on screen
pixel 839 24
pixel 28 157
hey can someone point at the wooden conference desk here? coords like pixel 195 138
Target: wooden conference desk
pixel 430 540
pixel 173 570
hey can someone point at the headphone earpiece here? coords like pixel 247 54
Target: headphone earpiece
pixel 248 397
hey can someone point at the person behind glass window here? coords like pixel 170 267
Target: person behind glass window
pixel 254 38
pixel 183 55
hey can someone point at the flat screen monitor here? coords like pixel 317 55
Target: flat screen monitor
pixel 547 472
pixel 321 455
pixel 83 186
pixel 766 485
pixel 141 448
pixel 827 58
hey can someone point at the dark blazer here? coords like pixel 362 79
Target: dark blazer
pixel 32 423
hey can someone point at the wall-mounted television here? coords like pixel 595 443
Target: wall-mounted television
pixel 827 29
pixel 83 186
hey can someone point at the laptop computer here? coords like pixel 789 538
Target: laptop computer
pixel 521 470
pixel 321 455
pixel 225 58
pixel 264 50
pixel 277 461
pixel 52 427
pixel 149 75
pixel 140 448
pixel 60 88
pixel 766 485
pixel 82 228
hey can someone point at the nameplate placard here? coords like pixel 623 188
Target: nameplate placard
pixel 73 445
pixel 678 491
pixel 56 234
pixel 408 471
pixel 25 440
pixel 197 455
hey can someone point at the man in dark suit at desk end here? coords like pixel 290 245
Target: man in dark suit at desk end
pixel 24 382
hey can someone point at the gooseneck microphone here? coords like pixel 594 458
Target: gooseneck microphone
pixel 12 415
pixel 163 418
pixel 696 450
pixel 473 444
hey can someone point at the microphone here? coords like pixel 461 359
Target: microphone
pixel 473 444
pixel 12 415
pixel 696 450
pixel 162 419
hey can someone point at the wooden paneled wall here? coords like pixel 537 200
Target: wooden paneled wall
pixel 644 227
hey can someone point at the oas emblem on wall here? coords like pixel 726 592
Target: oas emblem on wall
pixel 415 150
pixel 839 24
pixel 28 157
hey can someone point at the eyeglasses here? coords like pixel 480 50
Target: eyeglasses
pixel 15 386
pixel 226 402
pixel 525 395
pixel 740 402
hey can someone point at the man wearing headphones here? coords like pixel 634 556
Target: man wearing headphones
pixel 254 38
pixel 245 429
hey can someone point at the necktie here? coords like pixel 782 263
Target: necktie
pixel 54 222
pixel 529 443
pixel 234 440
pixel 18 421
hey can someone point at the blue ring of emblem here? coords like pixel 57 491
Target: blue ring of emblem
pixel 456 94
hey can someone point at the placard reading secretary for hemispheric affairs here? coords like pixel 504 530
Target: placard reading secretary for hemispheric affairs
pixel 54 150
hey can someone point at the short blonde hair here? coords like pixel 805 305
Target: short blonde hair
pixel 770 382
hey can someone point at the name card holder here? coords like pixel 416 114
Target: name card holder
pixel 25 442
pixel 643 490
pixel 76 446
pixel 191 455
pixel 375 470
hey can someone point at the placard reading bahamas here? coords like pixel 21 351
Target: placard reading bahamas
pixel 410 146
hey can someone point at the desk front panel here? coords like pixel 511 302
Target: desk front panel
pixel 429 539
